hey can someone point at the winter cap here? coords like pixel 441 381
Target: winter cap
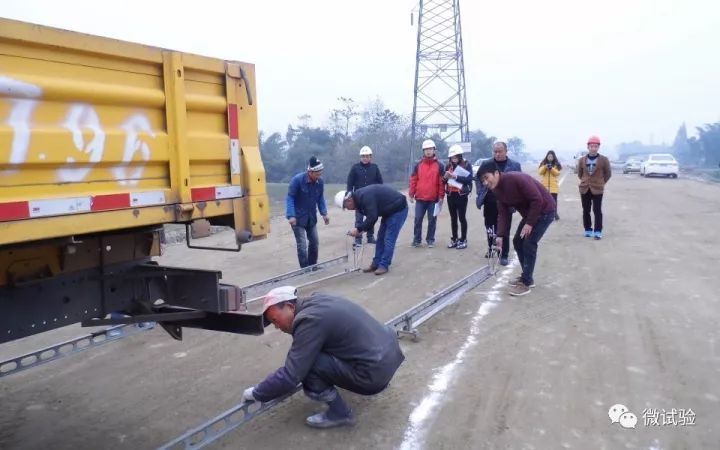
pixel 314 164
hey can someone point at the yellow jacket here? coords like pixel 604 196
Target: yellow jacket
pixel 549 178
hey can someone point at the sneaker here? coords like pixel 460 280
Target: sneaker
pixel 598 235
pixel 416 244
pixel 371 240
pixel 321 420
pixel 431 244
pixel 588 233
pixel 517 281
pixel 488 254
pixel 557 217
pixel 453 243
pixel 461 244
pixel 504 261
pixel 371 268
pixel 519 290
pixel 381 270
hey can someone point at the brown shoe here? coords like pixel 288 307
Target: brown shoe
pixel 381 270
pixel 517 281
pixel 519 290
pixel 372 268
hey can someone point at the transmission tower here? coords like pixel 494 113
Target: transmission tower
pixel 440 103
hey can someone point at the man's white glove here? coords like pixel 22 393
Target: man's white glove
pixel 248 395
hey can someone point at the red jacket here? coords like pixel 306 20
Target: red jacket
pixel 426 182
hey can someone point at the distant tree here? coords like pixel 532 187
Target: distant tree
pixel 516 149
pixel 709 138
pixel 680 147
pixel 481 144
pixel 344 115
pixel 272 151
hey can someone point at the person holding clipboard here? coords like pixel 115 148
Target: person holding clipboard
pixel 458 185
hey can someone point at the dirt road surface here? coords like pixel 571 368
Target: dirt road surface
pixel 632 320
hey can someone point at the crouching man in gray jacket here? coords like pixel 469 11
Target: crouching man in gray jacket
pixel 336 343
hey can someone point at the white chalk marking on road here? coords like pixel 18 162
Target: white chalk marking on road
pixel 180 354
pixel 414 433
pixel 635 370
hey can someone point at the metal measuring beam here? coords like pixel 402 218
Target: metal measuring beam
pixel 57 351
pixel 254 290
pixel 405 323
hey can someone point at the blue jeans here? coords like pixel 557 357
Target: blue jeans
pixel 359 219
pixel 387 237
pixel 422 208
pixel 307 242
pixel 526 248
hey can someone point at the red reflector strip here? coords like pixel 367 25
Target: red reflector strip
pixel 215 193
pixel 111 201
pixel 233 120
pixel 203 194
pixel 14 211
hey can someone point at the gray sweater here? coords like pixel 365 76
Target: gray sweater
pixel 330 324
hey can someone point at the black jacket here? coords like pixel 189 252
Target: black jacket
pixel 362 175
pixel 375 201
pixel 466 181
pixel 336 326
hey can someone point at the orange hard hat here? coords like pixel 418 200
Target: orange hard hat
pixel 594 140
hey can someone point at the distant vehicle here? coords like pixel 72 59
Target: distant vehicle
pixel 476 165
pixel 660 164
pixel 617 164
pixel 577 156
pixel 632 165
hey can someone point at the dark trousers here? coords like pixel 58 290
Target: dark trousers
pixel 594 201
pixel 328 372
pixel 306 239
pixel 457 205
pixel 359 219
pixel 423 208
pixel 490 212
pixel 387 237
pixel 526 248
pixel 554 196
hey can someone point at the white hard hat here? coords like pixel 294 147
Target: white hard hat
pixel 365 151
pixel 455 150
pixel 278 295
pixel 340 198
pixel 428 143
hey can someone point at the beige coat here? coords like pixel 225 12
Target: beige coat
pixel 595 182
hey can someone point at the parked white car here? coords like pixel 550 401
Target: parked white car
pixel 660 164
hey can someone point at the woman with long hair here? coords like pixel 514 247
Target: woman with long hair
pixel 549 171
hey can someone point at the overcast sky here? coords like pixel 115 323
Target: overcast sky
pixel 552 72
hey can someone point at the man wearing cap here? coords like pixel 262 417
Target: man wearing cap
pixel 594 171
pixel 374 202
pixel 336 343
pixel 364 174
pixel 426 190
pixel 487 201
pixel 305 196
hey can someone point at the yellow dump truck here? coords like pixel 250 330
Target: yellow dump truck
pixel 101 143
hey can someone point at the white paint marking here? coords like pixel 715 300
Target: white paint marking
pixel 82 116
pixel 415 432
pixel 634 369
pixel 180 354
